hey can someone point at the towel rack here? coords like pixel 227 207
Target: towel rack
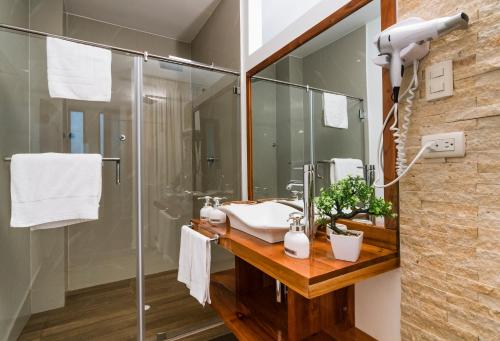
pixel 333 162
pixel 368 171
pixel 215 237
pixel 116 160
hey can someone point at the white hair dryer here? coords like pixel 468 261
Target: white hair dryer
pixel 400 45
pixel 408 40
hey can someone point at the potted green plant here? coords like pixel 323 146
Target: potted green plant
pixel 344 200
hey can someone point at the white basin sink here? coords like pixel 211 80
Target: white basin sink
pixel 266 221
pixel 298 203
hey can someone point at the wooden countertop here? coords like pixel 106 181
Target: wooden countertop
pixel 313 277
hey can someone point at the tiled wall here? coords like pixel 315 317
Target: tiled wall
pixel 450 208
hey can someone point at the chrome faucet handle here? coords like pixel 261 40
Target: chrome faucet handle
pixel 296 194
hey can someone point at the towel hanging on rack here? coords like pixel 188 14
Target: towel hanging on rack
pixel 52 190
pixel 78 71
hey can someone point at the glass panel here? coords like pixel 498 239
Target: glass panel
pixel 338 60
pixel 15 261
pixel 332 142
pixel 281 137
pixel 77 277
pixel 190 149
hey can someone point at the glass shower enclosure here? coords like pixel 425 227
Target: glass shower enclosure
pixel 289 131
pixel 170 135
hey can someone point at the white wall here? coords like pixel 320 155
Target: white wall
pixel 286 10
pixel 377 305
pixel 289 27
pixel 374 95
pixel 267 18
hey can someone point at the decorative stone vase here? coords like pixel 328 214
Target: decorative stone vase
pixel 347 247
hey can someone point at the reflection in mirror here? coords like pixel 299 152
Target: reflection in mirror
pixel 320 104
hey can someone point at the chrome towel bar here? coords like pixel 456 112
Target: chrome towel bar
pixel 215 238
pixel 116 160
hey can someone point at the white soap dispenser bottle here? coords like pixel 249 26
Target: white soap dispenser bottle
pixel 296 241
pixel 206 209
pixel 217 217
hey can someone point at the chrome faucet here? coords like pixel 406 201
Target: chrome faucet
pixel 290 187
pixel 309 200
pixel 294 183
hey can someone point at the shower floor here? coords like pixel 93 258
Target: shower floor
pixel 108 312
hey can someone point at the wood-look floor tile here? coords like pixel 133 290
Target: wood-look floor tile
pixel 108 313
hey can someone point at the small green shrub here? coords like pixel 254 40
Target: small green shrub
pixel 349 197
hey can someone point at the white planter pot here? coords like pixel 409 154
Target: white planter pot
pixel 329 230
pixel 347 247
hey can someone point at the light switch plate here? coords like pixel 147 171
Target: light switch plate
pixel 445 145
pixel 439 80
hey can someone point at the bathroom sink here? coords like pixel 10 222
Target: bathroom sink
pixel 297 204
pixel 266 221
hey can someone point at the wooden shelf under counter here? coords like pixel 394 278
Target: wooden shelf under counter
pixel 320 299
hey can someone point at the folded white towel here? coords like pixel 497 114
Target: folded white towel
pixel 53 190
pixel 185 254
pixel 194 264
pixel 335 111
pixel 77 71
pixel 341 168
pixel 200 268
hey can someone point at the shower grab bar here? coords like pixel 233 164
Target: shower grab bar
pixel 215 238
pixel 116 160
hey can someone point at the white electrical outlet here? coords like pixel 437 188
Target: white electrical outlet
pixel 445 145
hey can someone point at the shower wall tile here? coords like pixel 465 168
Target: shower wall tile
pixel 47 251
pixel 14 138
pixel 218 41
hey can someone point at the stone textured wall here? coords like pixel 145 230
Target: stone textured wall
pixel 450 208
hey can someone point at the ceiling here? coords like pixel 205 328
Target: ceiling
pixel 177 19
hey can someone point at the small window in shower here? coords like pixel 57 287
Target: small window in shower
pixel 101 133
pixel 76 132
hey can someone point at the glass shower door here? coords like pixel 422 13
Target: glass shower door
pixel 190 144
pixel 74 282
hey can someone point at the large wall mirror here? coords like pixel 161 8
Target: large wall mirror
pixel 320 102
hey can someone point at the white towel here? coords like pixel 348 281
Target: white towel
pixel 194 264
pixel 184 273
pixel 53 190
pixel 335 111
pixel 77 71
pixel 341 168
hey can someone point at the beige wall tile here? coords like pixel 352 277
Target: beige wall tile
pixel 450 208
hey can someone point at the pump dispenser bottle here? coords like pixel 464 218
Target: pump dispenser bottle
pixel 296 241
pixel 206 209
pixel 217 217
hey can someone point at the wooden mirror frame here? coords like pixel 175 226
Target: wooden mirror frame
pixel 388 18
